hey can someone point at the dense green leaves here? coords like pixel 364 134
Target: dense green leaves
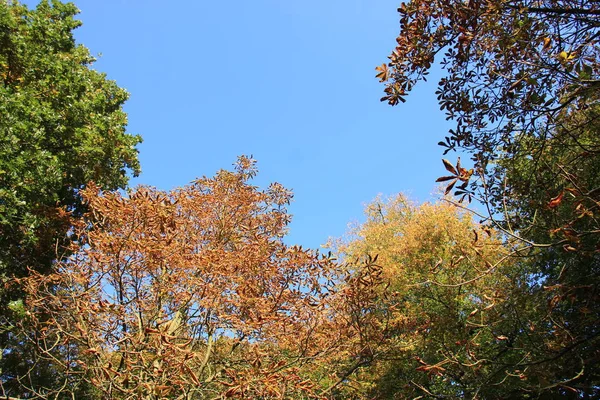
pixel 552 200
pixel 61 126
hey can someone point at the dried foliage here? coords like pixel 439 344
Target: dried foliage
pixel 187 294
pixel 511 66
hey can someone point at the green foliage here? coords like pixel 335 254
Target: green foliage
pixel 553 202
pixel 61 126
pixel 465 315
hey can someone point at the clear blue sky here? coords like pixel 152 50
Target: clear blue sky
pixel 288 81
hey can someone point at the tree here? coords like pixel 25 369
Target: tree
pixel 512 66
pixel 516 72
pixel 521 83
pixel 450 312
pixel 61 126
pixel 187 294
pixel 552 202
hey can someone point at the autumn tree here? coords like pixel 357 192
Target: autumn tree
pixel 520 81
pixel 451 311
pixel 188 294
pixel 512 66
pixel 515 72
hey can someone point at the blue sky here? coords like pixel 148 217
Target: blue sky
pixel 289 81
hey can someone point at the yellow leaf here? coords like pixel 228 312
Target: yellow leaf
pixel 547 43
pixel 562 56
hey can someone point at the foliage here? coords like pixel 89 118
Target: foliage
pixel 451 308
pixel 551 186
pixel 518 73
pixel 521 84
pixel 188 294
pixel 61 125
pixel 512 66
pixel 553 202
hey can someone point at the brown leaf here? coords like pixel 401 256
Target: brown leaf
pixel 465 175
pixel 431 369
pixel 449 166
pixel 383 74
pixel 232 391
pixel 450 186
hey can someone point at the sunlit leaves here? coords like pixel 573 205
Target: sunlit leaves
pixel 61 125
pixel 382 72
pixel 190 291
pixel 444 277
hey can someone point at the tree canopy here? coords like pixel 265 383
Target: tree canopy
pixel 62 125
pixel 193 293
pixel 520 81
pixel 450 286
pixel 515 71
pixel 512 67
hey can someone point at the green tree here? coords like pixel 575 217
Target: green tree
pixel 61 126
pixel 552 202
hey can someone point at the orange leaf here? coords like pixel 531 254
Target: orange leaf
pixel 556 201
pixel 547 43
